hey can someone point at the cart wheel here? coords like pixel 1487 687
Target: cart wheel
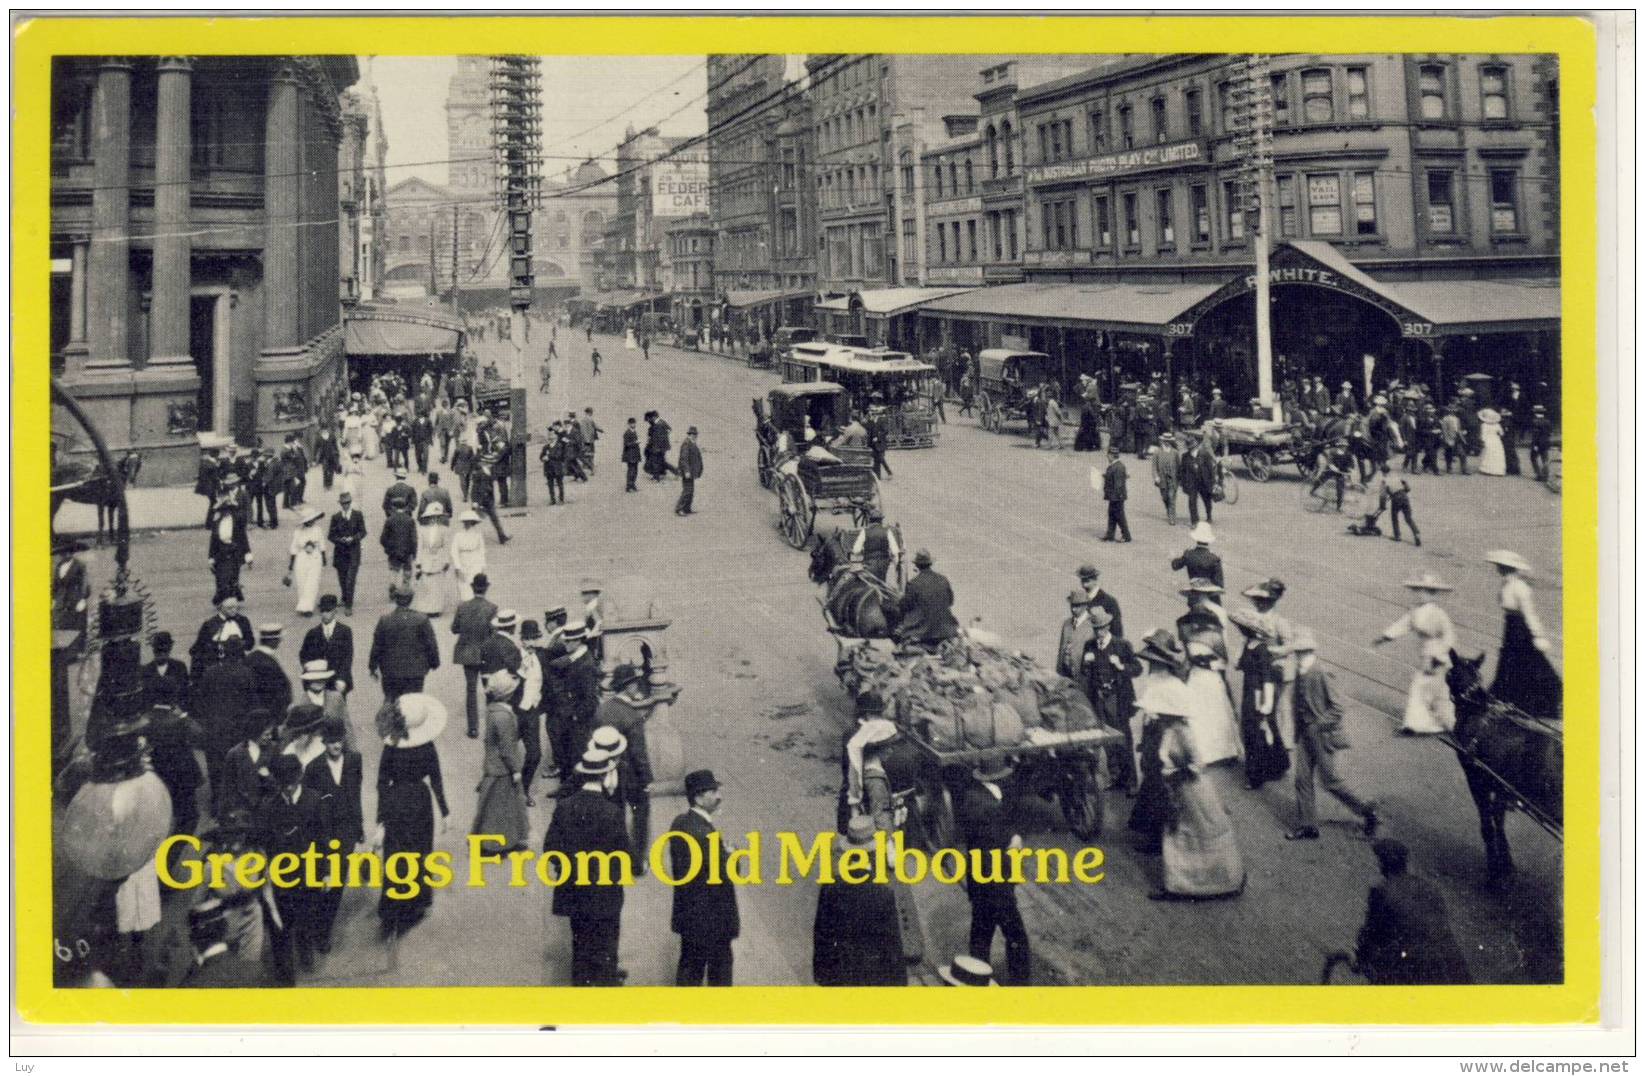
pixel 762 466
pixel 1080 796
pixel 985 413
pixel 1230 487
pixel 794 525
pixel 1259 465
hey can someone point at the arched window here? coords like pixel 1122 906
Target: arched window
pixel 1010 155
pixel 954 176
pixel 993 153
pixel 970 180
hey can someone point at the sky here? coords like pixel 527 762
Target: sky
pixel 588 102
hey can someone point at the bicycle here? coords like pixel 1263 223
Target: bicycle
pixel 1227 481
pixel 1321 496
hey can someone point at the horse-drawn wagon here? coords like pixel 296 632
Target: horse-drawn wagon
pixel 807 478
pixel 1007 381
pixel 1264 445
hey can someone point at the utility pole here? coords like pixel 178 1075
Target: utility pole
pixel 517 138
pixel 1254 141
pixel 456 307
pixel 433 269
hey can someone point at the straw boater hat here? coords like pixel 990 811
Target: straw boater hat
pixel 501 684
pixel 1303 642
pixel 1428 581
pixel 1202 534
pixel 469 516
pixel 595 764
pixel 434 510
pixel 606 741
pixel 313 515
pixel 317 671
pixel 967 970
pixel 425 718
pixel 505 620
pixel 1507 558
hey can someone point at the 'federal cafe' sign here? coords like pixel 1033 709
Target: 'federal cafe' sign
pixel 1147 158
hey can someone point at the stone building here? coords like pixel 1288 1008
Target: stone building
pixel 195 247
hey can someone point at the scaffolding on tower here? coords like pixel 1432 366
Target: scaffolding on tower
pixel 1251 120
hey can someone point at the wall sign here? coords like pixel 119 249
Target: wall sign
pixel 1118 164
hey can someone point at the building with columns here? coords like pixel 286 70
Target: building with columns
pixel 195 249
pixel 361 196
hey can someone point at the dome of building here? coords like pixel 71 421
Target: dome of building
pixel 589 172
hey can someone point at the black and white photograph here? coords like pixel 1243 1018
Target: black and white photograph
pixel 745 519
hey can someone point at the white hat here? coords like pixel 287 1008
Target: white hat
pixel 606 741
pixel 433 510
pixel 1203 534
pixel 1428 581
pixel 501 684
pixel 967 970
pixel 318 671
pixel 425 718
pixel 313 514
pixel 469 516
pixel 1507 558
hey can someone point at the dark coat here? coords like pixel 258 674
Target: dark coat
pixel 203 654
pixel 856 939
pixel 1107 601
pixel 340 811
pixel 292 827
pixel 691 460
pixel 338 651
pixel 435 495
pixel 927 608
pixel 588 821
pixel 706 912
pixel 345 534
pixel 500 652
pixel 1407 939
pixel 237 545
pixel 471 623
pixel 1199 471
pixel 631 446
pixel 1108 672
pixel 399 539
pixel 270 686
pixel 403 645
pixel 326 452
pixel 1200 563
pixel 223 700
pixel 246 784
pixel 165 683
pixel 615 711
pixel 1113 481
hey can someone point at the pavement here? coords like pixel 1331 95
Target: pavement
pixel 1008 524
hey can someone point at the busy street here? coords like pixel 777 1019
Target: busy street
pixel 1009 525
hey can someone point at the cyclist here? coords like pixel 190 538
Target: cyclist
pixel 1335 464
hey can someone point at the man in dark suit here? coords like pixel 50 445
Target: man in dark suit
pixel 1114 492
pixel 856 939
pixel 403 650
pixel 222 700
pixel 1098 598
pixel 422 436
pixel 1108 666
pixel 346 532
pixel 399 496
pixel 399 542
pixel 292 823
pixel 1198 560
pixel 229 549
pixel 328 456
pixel 330 641
pixel 204 653
pixel 270 686
pixel 471 623
pixel 243 782
pixel 335 780
pixel 690 469
pixel 435 494
pixel 631 455
pixel 985 824
pixel 165 679
pixel 1199 477
pixel 927 608
pixel 589 820
pixel 705 915
pixel 1406 939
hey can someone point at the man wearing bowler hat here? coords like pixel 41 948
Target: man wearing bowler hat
pixel 856 938
pixel 345 532
pixel 705 916
pixel 403 649
pixel 471 623
pixel 690 469
pixel 330 641
pixel 589 820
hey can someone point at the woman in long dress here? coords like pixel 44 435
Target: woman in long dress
pixel 407 774
pixel 1160 692
pixel 371 431
pixel 1198 851
pixel 1265 755
pixel 1493 460
pixel 468 554
pixel 500 809
pixel 354 472
pixel 354 439
pixel 432 584
pixel 1428 707
pixel 1525 676
pixel 308 560
pixel 1204 634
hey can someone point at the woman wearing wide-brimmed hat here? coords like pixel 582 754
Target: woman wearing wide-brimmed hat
pixel 308 560
pixel 1160 691
pixel 1525 675
pixel 501 798
pixel 431 586
pixel 1493 460
pixel 408 772
pixel 1203 631
pixel 1428 707
pixel 1263 674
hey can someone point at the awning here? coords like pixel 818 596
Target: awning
pixel 1122 307
pixel 738 300
pixel 384 331
pixel 888 302
pixel 1458 307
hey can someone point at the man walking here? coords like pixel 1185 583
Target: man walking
pixel 229 548
pixel 1198 560
pixel 877 443
pixel 690 469
pixel 1113 491
pixel 1199 478
pixel 471 623
pixel 631 456
pixel 1167 475
pixel 403 649
pixel 332 642
pixel 704 916
pixel 1319 736
pixel 589 823
pixel 346 531
pixel 594 357
pixel 986 827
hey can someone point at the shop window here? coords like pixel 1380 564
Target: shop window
pixel 1365 203
pixel 1162 132
pixel 1324 205
pixel 1102 224
pixel 1316 96
pixel 1359 94
pixel 1282 98
pixel 1099 131
pixel 1165 226
pixel 1233 211
pixel 1504 201
pixel 1441 202
pixel 1287 197
pixel 1194 105
pixel 1128 138
pixel 1431 87
pixel 1133 228
pixel 1493 89
pixel 1058 150
pixel 1200 203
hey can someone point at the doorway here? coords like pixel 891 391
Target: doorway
pixel 202 345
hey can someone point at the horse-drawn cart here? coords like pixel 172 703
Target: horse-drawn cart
pixel 807 479
pixel 1263 445
pixel 1007 382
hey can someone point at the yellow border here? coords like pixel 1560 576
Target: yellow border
pixel 37 40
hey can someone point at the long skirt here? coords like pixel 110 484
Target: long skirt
pixel 407 811
pixel 372 440
pixel 501 811
pixel 430 588
pixel 1428 707
pixel 305 579
pixel 1266 758
pixel 1089 437
pixel 1524 676
pixel 1198 852
pixel 1153 803
pixel 1492 460
pixel 1211 718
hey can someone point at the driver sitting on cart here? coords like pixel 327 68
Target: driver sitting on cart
pixel 875 546
pixel 926 617
pixel 852 435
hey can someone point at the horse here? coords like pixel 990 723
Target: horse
pixel 1511 761
pixel 861 603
